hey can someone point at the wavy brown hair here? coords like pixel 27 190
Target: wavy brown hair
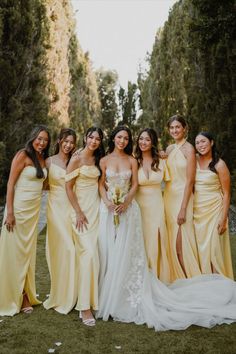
pixel 31 153
pixel 214 152
pixel 64 133
pixel 154 149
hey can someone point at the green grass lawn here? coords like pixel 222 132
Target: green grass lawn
pixel 38 332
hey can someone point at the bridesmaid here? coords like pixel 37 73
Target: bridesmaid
pixel 82 190
pixel 211 206
pixel 178 198
pixel 60 247
pixel 151 172
pixel 19 231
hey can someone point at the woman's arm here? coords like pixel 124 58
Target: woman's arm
pixel 81 220
pixel 190 179
pixel 18 164
pixel 224 177
pixel 134 185
pixel 102 188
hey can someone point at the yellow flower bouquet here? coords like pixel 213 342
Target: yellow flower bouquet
pixel 117 198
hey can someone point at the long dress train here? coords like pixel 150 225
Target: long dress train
pixel 173 196
pixel 151 204
pixel 129 292
pixel 18 248
pixel 213 249
pixel 60 248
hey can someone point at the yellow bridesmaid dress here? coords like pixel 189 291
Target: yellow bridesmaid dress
pixel 60 248
pixel 18 248
pixel 173 195
pixel 213 249
pixel 86 242
pixel 150 201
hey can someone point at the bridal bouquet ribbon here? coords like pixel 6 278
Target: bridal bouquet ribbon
pixel 117 198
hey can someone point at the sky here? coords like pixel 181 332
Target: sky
pixel 119 33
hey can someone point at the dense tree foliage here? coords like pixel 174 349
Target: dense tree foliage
pixel 84 109
pixel 23 82
pixel 107 83
pixel 192 71
pixel 129 104
pixel 32 86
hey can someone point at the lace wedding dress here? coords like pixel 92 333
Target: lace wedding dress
pixel 129 292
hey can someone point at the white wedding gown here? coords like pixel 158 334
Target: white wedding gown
pixel 129 292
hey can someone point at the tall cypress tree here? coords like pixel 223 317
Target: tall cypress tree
pixel 23 94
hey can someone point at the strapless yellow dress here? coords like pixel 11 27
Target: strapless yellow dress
pixel 173 196
pixel 150 201
pixel 86 242
pixel 18 248
pixel 60 248
pixel 213 249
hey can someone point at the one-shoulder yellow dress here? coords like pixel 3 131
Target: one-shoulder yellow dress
pixel 18 248
pixel 173 195
pixel 60 248
pixel 86 242
pixel 213 249
pixel 150 201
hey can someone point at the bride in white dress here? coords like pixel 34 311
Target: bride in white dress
pixel 128 291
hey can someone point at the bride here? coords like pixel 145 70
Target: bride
pixel 128 291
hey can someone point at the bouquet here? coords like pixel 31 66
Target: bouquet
pixel 117 198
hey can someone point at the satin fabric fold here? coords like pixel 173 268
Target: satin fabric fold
pixel 150 200
pixel 213 249
pixel 18 248
pixel 173 195
pixel 60 248
pixel 86 189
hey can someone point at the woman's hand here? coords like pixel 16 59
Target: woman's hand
pixel 121 208
pixel 222 226
pixel 81 221
pixel 10 222
pixel 110 206
pixel 181 217
pixel 162 154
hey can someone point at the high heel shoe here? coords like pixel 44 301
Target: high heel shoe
pixel 88 321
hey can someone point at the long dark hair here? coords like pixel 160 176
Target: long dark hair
pixel 111 145
pixel 100 151
pixel 214 152
pixel 178 118
pixel 154 149
pixel 64 133
pixel 29 149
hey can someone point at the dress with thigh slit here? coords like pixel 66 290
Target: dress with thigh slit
pixel 130 292
pixel 150 200
pixel 173 195
pixel 18 248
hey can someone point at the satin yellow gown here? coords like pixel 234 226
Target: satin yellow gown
pixel 173 196
pixel 60 248
pixel 150 201
pixel 86 242
pixel 213 249
pixel 18 248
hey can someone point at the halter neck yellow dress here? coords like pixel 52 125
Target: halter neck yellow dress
pixel 173 195
pixel 150 200
pixel 213 249
pixel 60 248
pixel 86 242
pixel 18 248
